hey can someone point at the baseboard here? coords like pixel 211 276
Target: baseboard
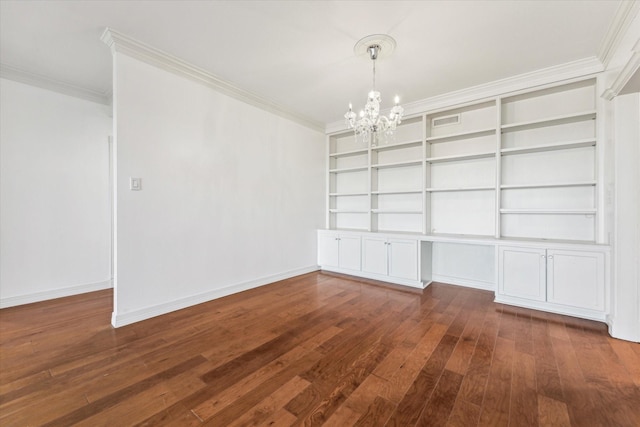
pixel 468 283
pixel 54 293
pixel 621 332
pixel 118 320
pixel 582 313
pixel 418 284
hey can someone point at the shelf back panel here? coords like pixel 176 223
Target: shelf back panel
pixel 551 102
pixel 407 202
pixel 400 154
pixel 472 145
pixel 349 221
pixel 359 203
pixel 471 118
pixel 352 182
pixel 396 179
pixel 549 135
pixel 463 213
pixel 549 198
pixel 469 173
pixel 571 165
pixel 545 226
pixel 399 222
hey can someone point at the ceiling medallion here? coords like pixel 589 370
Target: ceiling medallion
pixel 371 126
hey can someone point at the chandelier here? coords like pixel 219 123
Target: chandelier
pixel 372 126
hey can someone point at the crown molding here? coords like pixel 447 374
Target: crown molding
pixel 625 14
pixel 623 77
pixel 571 70
pixel 12 73
pixel 121 43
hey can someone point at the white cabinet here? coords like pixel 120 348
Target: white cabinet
pixel 396 258
pixel 560 280
pixel 523 272
pixel 576 278
pixel 339 250
pixel 372 256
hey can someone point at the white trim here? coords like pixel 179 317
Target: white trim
pixel 12 73
pixel 121 43
pixel 623 333
pixel 582 313
pixel 627 72
pixel 625 14
pixel 571 70
pixel 55 293
pixel 118 320
pixel 380 277
pixel 467 283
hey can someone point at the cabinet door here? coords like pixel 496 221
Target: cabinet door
pixel 374 255
pixel 403 259
pixel 328 248
pixel 349 252
pixel 576 278
pixel 522 272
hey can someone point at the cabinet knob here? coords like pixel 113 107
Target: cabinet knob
pixel 550 256
pixel 542 256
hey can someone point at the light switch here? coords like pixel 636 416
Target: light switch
pixel 135 184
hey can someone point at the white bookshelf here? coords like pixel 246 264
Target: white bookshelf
pixel 396 180
pixel 460 168
pixel 548 177
pixel 510 186
pixel 517 166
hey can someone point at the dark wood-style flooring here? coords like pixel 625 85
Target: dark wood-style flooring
pixel 315 349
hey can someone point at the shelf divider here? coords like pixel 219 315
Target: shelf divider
pixel 548 185
pixel 460 157
pixel 589 142
pixel 548 121
pixel 549 211
pixel 454 189
pixel 459 135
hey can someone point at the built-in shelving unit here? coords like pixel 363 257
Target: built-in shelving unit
pixel 511 183
pixel 548 175
pixel 517 166
pixel 460 170
pixel 349 192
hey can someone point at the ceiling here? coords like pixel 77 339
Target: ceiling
pixel 299 54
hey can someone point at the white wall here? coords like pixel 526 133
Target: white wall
pixel 231 195
pixel 54 207
pixel 625 310
pixel 465 265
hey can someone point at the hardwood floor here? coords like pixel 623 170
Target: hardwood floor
pixel 315 349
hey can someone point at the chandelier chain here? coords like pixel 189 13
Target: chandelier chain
pixel 374 73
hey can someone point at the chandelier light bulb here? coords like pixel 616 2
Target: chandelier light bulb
pixel 396 100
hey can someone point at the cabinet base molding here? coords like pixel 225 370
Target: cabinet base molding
pixel 623 331
pixel 382 278
pixel 552 308
pixel 467 283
